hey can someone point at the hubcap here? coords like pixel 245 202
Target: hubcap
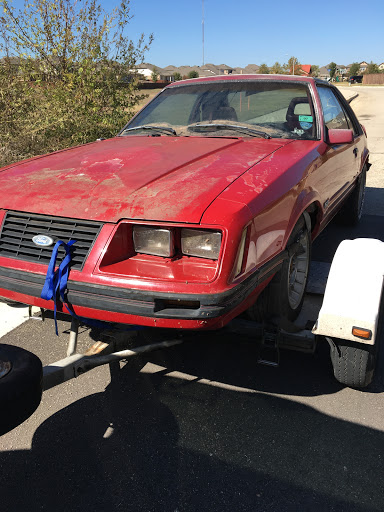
pixel 298 272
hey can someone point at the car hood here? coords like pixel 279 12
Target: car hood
pixel 135 177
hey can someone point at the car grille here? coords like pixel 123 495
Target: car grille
pixel 19 228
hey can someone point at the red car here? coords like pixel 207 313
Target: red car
pixel 212 192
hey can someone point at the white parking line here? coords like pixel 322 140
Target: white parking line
pixel 11 317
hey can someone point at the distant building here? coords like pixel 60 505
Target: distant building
pixel 324 73
pixel 341 70
pixel 251 69
pixel 305 69
pixel 363 66
pixel 225 70
pixel 167 74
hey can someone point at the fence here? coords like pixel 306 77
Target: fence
pixel 377 78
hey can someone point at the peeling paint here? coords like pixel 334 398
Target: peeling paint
pixel 162 178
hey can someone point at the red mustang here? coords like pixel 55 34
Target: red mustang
pixel 209 194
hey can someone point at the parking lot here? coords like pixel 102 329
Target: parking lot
pixel 202 426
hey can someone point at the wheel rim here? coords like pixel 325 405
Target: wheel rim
pixel 5 368
pixel 298 272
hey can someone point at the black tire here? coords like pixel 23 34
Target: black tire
pixel 20 386
pixel 276 300
pixel 350 213
pixel 353 365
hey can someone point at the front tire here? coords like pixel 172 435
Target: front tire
pixel 284 296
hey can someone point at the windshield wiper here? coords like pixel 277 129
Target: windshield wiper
pixel 202 127
pixel 161 129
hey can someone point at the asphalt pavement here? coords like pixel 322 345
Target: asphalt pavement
pixel 202 426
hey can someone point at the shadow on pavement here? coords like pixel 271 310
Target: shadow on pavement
pixel 202 433
pixel 157 443
pixel 374 200
pixel 370 226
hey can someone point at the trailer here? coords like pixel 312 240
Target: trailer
pixel 350 321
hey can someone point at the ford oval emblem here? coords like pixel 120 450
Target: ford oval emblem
pixel 42 240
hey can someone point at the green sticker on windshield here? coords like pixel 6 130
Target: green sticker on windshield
pixel 306 119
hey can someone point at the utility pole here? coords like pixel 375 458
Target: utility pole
pixel 202 26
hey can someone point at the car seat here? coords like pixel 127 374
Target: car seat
pixel 292 118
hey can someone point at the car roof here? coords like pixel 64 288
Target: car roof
pixel 244 78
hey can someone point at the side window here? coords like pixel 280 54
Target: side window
pixel 334 116
pixel 350 123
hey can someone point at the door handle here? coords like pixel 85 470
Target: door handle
pixel 355 151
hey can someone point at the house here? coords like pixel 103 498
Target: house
pixel 185 70
pixel 167 73
pixel 212 69
pixel 209 70
pixel 381 66
pixel 305 69
pixel 251 69
pixel 225 70
pixel 163 74
pixel 341 70
pixel 146 70
pixel 324 73
pixel 170 69
pixel 363 66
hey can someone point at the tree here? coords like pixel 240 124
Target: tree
pixel 81 63
pixel 314 71
pixel 354 69
pixel 263 69
pixel 193 74
pixel 294 66
pixel 372 68
pixel 177 76
pixel 154 75
pixel 332 69
pixel 286 70
pixel 277 69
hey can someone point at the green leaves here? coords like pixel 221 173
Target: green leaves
pixel 332 69
pixel 67 75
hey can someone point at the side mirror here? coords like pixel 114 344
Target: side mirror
pixel 340 136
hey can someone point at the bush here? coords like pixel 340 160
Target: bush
pixel 60 88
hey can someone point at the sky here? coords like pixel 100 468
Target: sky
pixel 241 32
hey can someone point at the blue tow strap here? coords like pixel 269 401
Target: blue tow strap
pixel 56 284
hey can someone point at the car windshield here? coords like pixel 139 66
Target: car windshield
pixel 278 109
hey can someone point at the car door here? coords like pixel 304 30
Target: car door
pixel 339 162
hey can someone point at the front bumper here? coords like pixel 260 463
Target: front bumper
pixel 125 305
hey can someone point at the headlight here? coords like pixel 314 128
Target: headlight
pixel 201 243
pixel 156 241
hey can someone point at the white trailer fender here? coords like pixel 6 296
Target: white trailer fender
pixel 353 293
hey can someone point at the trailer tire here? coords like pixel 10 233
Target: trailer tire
pixel 21 382
pixel 353 366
